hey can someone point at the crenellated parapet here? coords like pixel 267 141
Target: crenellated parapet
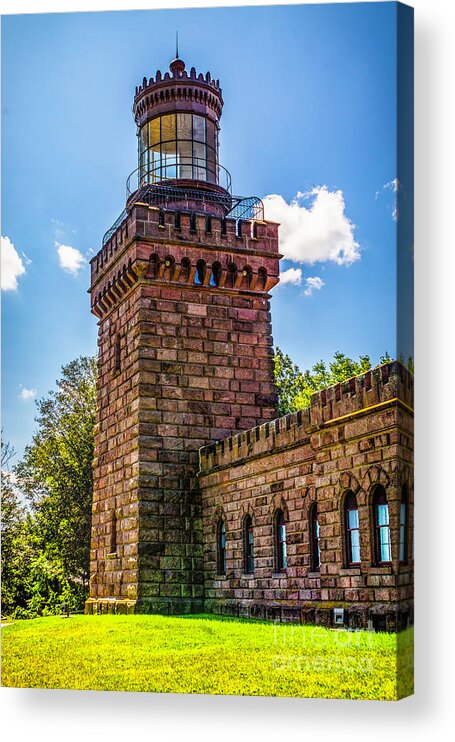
pixel 161 246
pixel 189 91
pixel 387 385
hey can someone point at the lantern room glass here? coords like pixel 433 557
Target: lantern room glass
pixel 178 146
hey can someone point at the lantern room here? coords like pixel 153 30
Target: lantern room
pixel 178 116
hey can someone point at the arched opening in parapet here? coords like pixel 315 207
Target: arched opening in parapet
pixel 154 265
pixel 231 275
pixel 215 278
pixel 247 275
pixel 199 276
pixel 262 278
pixel 185 269
pixel 169 264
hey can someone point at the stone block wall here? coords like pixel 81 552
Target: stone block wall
pixel 185 358
pixel 354 436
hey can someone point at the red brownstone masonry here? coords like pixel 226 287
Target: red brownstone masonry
pixel 186 363
pixel 353 437
pixel 180 365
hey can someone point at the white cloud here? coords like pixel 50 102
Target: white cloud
pixel 292 276
pixel 394 186
pixel 12 265
pixel 70 259
pixel 313 283
pixel 27 394
pixel 319 231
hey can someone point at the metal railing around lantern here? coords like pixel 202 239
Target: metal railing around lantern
pixel 173 167
pixel 168 193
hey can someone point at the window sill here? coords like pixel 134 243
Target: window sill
pixel 112 555
pixel 314 574
pixel 280 574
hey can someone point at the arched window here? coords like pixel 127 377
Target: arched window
pixel 404 526
pixel 208 225
pixel 248 545
pixel 161 218
pixel 193 226
pixel 178 220
pixel 280 542
pixel 315 553
pixel 221 547
pixel 351 524
pixel 382 547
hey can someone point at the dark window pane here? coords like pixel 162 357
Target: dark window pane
pixel 221 548
pixel 315 553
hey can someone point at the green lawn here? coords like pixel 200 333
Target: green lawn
pixel 203 654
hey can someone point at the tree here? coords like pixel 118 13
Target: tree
pixel 55 475
pixel 13 515
pixel 295 387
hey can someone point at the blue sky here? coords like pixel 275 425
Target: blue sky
pixel 310 108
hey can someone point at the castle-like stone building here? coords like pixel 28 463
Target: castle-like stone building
pixel 203 500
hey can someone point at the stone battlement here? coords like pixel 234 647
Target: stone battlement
pixel 388 383
pixel 143 220
pixel 193 75
pixel 177 88
pixel 151 243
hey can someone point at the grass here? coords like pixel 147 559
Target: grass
pixel 204 654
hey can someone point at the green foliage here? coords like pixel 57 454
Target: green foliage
pixel 295 387
pixel 202 654
pixel 55 475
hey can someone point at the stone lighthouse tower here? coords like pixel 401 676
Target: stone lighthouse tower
pixel 180 287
